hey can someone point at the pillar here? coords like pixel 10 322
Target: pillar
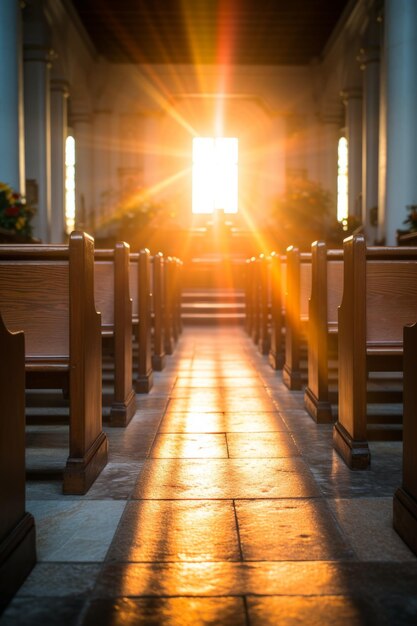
pixel 83 136
pixel 12 165
pixel 369 60
pixel 399 153
pixel 59 129
pixel 37 62
pixel 104 194
pixel 330 132
pixel 352 99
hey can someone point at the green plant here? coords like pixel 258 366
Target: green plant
pixel 303 213
pixel 411 218
pixel 15 214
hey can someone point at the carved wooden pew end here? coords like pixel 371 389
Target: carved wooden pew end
pixel 112 298
pixel 17 527
pixel 405 498
pixel 158 354
pixel 48 291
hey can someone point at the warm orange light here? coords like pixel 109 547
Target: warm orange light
pixel 215 175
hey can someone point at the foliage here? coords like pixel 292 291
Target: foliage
pixel 340 230
pixel 15 214
pixel 411 218
pixel 302 214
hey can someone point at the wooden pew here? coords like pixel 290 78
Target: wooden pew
pixel 17 527
pixel 112 299
pixel 264 303
pixel 278 291
pixel 256 300
pixel 379 299
pixel 248 297
pixel 140 291
pixel 176 298
pixel 158 351
pixel 296 314
pixel 326 295
pixel 405 498
pixel 169 305
pixel 48 291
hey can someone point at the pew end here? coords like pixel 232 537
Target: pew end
pixel 17 526
pixel 405 497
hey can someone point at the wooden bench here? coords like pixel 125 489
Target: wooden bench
pixel 379 299
pixel 296 313
pixel 326 295
pixel 112 299
pixel 176 298
pixel 48 292
pixel 172 303
pixel 140 291
pixel 264 303
pixel 405 498
pixel 158 349
pixel 278 294
pixel 17 527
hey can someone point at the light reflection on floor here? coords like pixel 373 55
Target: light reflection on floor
pixel 241 512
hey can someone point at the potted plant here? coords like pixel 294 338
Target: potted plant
pixel 15 216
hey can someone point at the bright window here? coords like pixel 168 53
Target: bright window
pixel 215 174
pixel 342 180
pixel 70 184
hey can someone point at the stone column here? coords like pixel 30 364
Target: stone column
pixel 330 132
pixel 12 164
pixel 399 154
pixel 37 63
pixel 59 128
pixel 82 126
pixel 352 99
pixel 369 60
pixel 102 165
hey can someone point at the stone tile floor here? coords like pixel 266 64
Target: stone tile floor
pixel 222 503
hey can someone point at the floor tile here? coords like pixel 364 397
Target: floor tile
pixel 74 530
pixel 235 578
pixel 367 522
pixel 60 580
pixel 289 530
pixel 176 531
pixel 46 611
pixel 167 611
pixel 195 446
pixel 314 611
pixel 261 445
pixel 225 478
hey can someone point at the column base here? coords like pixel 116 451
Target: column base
pixel 276 360
pixel 292 378
pixel 405 517
pixel 144 382
pixel 17 557
pixel 320 410
pixel 122 412
pixel 80 473
pixel 158 362
pixel 356 454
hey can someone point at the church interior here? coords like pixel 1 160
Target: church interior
pixel 208 312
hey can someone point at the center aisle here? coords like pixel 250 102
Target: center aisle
pixel 242 514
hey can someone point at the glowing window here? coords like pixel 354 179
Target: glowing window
pixel 342 180
pixel 215 174
pixel 70 184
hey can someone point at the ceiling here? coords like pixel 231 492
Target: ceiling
pixel 247 32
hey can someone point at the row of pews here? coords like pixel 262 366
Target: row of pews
pixel 341 324
pixel 72 317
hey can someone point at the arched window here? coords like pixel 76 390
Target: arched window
pixel 215 175
pixel 342 179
